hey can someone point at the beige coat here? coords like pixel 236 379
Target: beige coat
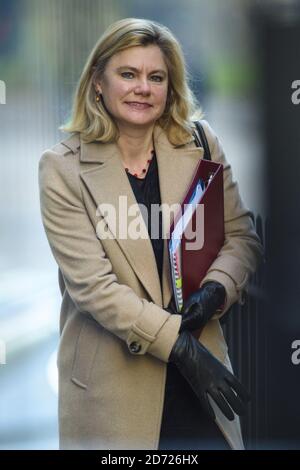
pixel 115 336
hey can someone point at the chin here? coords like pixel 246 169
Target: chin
pixel 139 121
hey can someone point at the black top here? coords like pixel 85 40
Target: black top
pixel 147 192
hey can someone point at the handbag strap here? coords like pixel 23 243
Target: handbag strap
pixel 201 140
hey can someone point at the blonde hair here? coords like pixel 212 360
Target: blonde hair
pixel 90 118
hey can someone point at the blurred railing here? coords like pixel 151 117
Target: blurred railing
pixel 246 333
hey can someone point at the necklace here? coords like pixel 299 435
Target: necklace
pixel 138 175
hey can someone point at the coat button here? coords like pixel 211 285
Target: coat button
pixel 135 347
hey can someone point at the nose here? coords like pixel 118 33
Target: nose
pixel 143 86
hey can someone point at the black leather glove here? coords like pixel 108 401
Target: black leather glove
pixel 201 306
pixel 207 375
pixel 171 308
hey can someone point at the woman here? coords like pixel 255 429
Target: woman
pixel 127 379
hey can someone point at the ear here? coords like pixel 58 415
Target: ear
pixel 98 87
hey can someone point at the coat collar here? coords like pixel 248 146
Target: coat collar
pixel 107 180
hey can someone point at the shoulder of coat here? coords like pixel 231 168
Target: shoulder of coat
pixel 209 132
pixel 70 144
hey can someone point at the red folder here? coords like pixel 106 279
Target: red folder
pixel 195 263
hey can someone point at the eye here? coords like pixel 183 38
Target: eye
pixel 157 78
pixel 129 75
pixel 125 74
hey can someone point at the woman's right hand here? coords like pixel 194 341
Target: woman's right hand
pixel 207 375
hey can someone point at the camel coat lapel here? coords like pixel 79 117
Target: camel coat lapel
pixel 176 166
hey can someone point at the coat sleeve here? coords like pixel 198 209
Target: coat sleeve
pixel 87 271
pixel 242 251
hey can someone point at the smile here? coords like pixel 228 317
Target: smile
pixel 136 105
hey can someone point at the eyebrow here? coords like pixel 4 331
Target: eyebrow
pixel 137 70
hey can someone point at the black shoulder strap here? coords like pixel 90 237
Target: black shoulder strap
pixel 202 142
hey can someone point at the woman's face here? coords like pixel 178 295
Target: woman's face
pixel 134 86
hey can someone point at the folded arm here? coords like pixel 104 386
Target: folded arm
pixel 86 270
pixel 242 250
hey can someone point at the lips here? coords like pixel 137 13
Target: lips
pixel 137 105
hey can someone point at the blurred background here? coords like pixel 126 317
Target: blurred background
pixel 243 57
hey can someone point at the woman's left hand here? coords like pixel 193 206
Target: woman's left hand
pixel 171 308
pixel 201 305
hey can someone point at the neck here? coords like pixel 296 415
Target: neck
pixel 135 144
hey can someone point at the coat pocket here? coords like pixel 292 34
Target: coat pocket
pixel 85 352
